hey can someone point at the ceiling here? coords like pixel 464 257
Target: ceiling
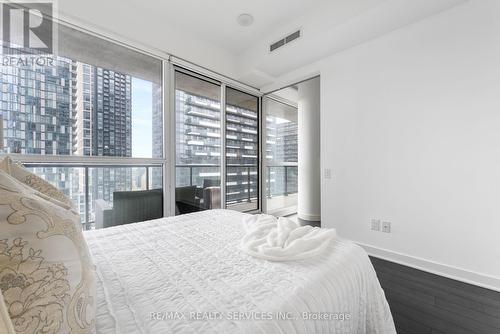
pixel 206 31
pixel 215 20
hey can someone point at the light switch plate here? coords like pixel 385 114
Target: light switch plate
pixel 386 227
pixel 328 173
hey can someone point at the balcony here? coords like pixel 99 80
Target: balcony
pixel 92 185
pixel 242 188
pixel 282 188
pixel 194 180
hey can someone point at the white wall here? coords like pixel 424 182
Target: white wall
pixel 411 131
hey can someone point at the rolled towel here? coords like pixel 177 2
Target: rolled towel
pixel 281 239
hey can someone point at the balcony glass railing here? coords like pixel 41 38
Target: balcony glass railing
pixel 281 189
pixel 89 186
pixel 281 181
pixel 241 185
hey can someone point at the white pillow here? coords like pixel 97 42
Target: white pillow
pixel 46 273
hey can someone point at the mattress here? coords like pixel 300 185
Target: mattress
pixel 186 274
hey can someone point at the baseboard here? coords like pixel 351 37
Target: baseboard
pixel 459 274
pixel 310 217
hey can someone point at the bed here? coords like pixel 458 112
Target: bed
pixel 186 274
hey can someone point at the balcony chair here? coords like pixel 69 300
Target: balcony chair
pixel 129 207
pixel 192 198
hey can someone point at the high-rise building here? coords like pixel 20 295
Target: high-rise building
pixel 156 178
pixel 157 120
pixel 102 126
pixel 112 125
pixel 71 108
pixel 198 146
pixel 35 104
pixel 111 132
pixel 83 86
pixel 281 146
pixel 242 147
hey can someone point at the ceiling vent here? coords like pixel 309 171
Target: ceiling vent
pixel 276 45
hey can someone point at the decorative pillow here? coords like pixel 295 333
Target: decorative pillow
pixel 20 173
pixel 46 273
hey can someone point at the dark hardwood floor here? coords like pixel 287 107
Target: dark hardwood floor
pixel 424 303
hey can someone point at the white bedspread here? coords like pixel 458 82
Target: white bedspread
pixel 154 276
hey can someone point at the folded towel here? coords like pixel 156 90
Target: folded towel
pixel 281 239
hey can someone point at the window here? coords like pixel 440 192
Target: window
pixel 242 150
pixel 97 99
pixel 281 156
pixel 198 147
pixel 92 124
pixel 77 91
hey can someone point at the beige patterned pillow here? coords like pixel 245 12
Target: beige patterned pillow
pixel 20 173
pixel 46 273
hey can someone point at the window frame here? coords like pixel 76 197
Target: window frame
pixel 224 84
pixel 259 148
pixel 264 163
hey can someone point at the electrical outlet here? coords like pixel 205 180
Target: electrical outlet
pixel 375 224
pixel 328 173
pixel 386 227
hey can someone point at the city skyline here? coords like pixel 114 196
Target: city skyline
pixel 39 111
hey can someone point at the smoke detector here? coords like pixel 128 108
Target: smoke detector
pixel 244 19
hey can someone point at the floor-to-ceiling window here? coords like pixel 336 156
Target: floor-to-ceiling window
pixel 198 143
pixel 199 128
pixel 242 150
pixel 281 168
pixel 82 117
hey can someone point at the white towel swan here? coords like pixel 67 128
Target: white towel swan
pixel 280 239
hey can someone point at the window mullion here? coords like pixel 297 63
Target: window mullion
pixel 223 146
pixel 87 198
pixel 169 139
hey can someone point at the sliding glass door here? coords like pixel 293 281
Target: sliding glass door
pixel 198 143
pixel 280 168
pixel 200 125
pixel 242 151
